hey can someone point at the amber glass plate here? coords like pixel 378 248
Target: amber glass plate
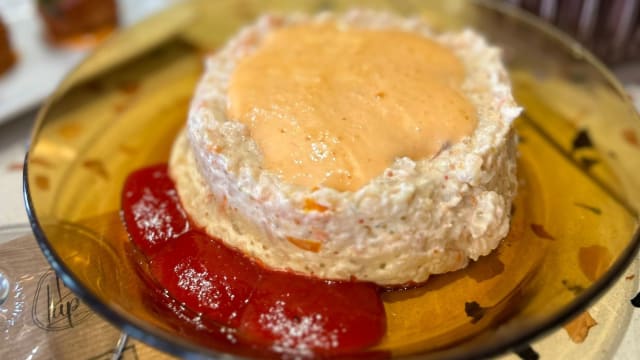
pixel 574 226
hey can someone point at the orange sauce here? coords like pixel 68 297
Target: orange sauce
pixel 334 107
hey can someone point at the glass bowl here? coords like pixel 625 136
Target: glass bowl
pixel 574 226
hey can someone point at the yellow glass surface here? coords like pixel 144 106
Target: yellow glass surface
pixel 574 220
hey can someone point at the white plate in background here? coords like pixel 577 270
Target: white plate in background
pixel 40 66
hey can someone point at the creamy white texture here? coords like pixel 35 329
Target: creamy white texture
pixel 417 218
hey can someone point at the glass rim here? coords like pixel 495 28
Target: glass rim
pixel 167 342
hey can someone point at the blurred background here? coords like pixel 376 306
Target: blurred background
pixel 609 28
pixel 40 40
